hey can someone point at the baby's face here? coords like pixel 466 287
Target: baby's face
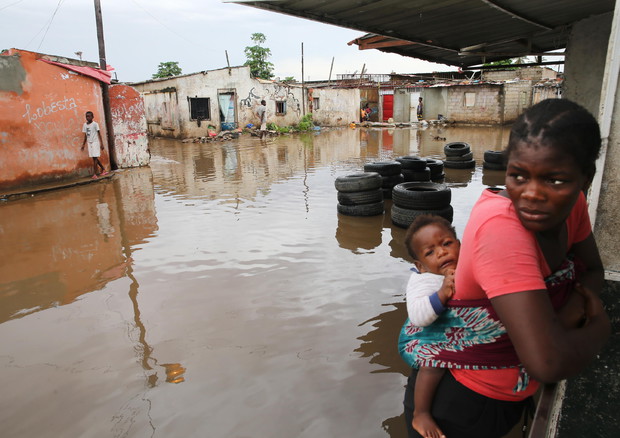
pixel 437 249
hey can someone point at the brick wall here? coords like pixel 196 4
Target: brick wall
pixel 517 97
pixel 475 103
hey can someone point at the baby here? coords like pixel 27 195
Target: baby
pixel 434 247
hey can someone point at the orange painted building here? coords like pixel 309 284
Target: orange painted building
pixel 42 108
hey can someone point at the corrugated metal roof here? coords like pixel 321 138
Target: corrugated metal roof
pixel 464 33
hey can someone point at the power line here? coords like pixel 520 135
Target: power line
pixel 11 4
pixel 50 23
pixel 160 22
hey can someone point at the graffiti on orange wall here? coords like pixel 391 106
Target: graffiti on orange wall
pixel 41 118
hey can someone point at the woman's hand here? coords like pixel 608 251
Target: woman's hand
pixel 593 306
pixel 572 313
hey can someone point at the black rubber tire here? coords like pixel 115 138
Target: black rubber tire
pixel 436 166
pixel 460 164
pixel 391 181
pixel 493 166
pixel 383 168
pixel 421 195
pixel 358 182
pixel 403 217
pixel 438 178
pixel 468 156
pixel 496 157
pixel 357 198
pixel 361 209
pixel 387 193
pixel 417 175
pixel 456 149
pixel 412 163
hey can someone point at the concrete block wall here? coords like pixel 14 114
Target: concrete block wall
pixel 337 107
pixel 517 98
pixel 486 108
pixel 526 73
pixel 167 106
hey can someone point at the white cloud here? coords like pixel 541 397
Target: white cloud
pixel 139 34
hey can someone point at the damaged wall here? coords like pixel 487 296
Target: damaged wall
pixel 129 121
pixel 42 110
pixel 588 46
pixel 337 106
pixel 168 102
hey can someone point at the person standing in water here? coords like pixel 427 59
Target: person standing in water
pixel 92 136
pixel 530 271
pixel 262 115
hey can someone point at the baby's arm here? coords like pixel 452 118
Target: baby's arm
pixel 427 295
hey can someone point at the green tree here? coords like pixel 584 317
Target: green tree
pixel 167 69
pixel 257 58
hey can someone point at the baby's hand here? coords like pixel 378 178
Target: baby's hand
pixel 447 288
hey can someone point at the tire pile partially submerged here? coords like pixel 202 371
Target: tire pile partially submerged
pixel 494 160
pixel 412 199
pixel 416 169
pixel 390 172
pixel 458 155
pixel 360 194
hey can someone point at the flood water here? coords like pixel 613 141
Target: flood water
pixel 216 293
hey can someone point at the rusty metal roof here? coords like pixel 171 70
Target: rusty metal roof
pixel 463 33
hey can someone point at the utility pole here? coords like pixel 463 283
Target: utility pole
pixel 104 87
pixel 303 86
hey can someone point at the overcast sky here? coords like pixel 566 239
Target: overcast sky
pixel 139 34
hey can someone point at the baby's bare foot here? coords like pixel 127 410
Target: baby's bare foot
pixel 424 424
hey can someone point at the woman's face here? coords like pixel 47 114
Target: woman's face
pixel 543 184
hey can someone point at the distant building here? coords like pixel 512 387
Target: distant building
pixel 186 105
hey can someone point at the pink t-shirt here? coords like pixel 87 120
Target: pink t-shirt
pixel 499 256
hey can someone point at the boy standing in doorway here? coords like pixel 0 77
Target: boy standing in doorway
pixel 420 109
pixel 92 136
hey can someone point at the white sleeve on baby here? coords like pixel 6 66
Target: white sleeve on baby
pixel 419 289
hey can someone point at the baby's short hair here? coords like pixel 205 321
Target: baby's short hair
pixel 421 222
pixel 89 112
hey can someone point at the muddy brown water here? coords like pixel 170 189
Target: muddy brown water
pixel 216 293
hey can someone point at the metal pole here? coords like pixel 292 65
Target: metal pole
pixel 303 86
pixel 329 80
pixel 104 87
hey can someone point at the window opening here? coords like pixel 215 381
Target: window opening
pixel 315 103
pixel 280 107
pixel 199 108
pixel 470 99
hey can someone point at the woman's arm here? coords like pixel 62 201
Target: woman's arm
pixel 586 251
pixel 548 351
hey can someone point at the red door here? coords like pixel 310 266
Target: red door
pixel 388 106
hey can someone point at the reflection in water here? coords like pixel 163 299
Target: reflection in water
pixel 493 178
pixel 380 343
pixel 236 286
pixel 355 233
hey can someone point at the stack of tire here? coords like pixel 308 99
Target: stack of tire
pixel 390 172
pixel 494 160
pixel 436 168
pixel 414 168
pixel 412 199
pixel 360 194
pixel 458 155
